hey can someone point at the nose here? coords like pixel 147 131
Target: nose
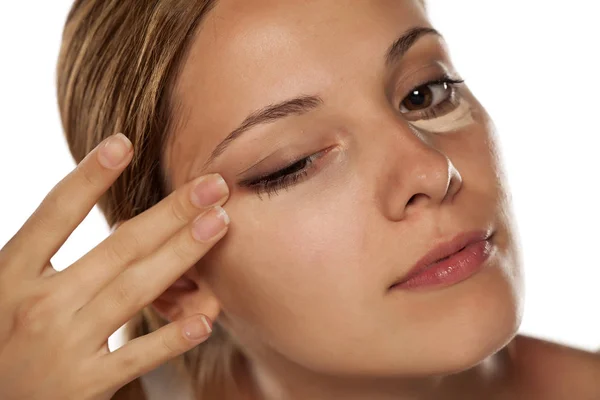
pixel 419 175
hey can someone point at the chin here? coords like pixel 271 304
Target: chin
pixel 452 330
pixel 486 316
pixel 433 333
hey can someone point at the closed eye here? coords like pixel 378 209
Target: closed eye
pixel 284 178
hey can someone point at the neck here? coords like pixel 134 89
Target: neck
pixel 280 379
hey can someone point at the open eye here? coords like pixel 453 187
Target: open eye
pixel 426 96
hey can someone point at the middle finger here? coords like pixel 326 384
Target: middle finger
pixel 139 285
pixel 141 235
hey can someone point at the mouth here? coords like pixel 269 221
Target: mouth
pixel 443 252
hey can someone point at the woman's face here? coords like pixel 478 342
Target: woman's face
pixel 305 270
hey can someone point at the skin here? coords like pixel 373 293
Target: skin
pixel 301 279
pixel 310 332
pixel 73 312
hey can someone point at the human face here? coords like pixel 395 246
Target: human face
pixel 304 273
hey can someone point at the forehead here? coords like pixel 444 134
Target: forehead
pixel 248 54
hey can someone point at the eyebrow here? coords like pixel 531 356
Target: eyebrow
pixel 304 104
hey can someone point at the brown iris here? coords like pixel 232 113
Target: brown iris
pixel 418 99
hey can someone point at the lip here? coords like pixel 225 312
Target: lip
pixel 444 250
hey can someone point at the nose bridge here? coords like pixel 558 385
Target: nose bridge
pixel 417 174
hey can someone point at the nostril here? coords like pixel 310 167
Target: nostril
pixel 415 198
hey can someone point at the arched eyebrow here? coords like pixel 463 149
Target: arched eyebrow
pixel 304 104
pixel 397 50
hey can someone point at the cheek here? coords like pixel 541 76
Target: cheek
pixel 474 153
pixel 287 263
pixel 296 267
pixel 460 118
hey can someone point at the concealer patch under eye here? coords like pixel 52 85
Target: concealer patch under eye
pixel 459 118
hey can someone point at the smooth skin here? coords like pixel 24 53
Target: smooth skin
pixel 302 277
pixel 55 344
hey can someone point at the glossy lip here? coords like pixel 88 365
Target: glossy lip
pixel 444 250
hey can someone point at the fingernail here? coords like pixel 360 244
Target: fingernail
pixel 209 190
pixel 209 224
pixel 198 328
pixel 114 151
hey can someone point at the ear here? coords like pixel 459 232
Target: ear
pixel 187 296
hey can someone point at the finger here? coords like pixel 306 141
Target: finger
pixel 68 203
pixel 146 279
pixel 142 235
pixel 145 353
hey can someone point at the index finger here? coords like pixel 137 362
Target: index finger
pixel 143 234
pixel 67 204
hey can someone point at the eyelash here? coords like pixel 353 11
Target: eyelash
pixel 443 107
pixel 283 179
pixel 292 175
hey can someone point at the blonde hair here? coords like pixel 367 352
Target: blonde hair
pixel 116 71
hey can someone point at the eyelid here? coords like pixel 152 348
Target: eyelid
pixel 253 166
pixel 439 80
pixel 285 165
pixel 409 79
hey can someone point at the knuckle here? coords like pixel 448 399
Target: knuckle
pixel 120 250
pixel 124 294
pixel 129 291
pixel 33 314
pixel 180 210
pixel 129 362
pixel 57 202
pixel 60 201
pixel 184 248
pixel 88 175
pixel 166 344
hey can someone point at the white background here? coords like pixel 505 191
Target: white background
pixel 533 64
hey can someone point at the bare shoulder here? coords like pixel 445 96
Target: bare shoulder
pixel 551 370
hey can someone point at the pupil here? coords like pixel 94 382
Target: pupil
pixel 419 99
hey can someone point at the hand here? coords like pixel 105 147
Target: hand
pixel 55 325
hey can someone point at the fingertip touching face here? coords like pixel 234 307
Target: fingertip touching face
pixel 351 147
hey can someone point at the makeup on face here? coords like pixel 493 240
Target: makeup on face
pixel 457 119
